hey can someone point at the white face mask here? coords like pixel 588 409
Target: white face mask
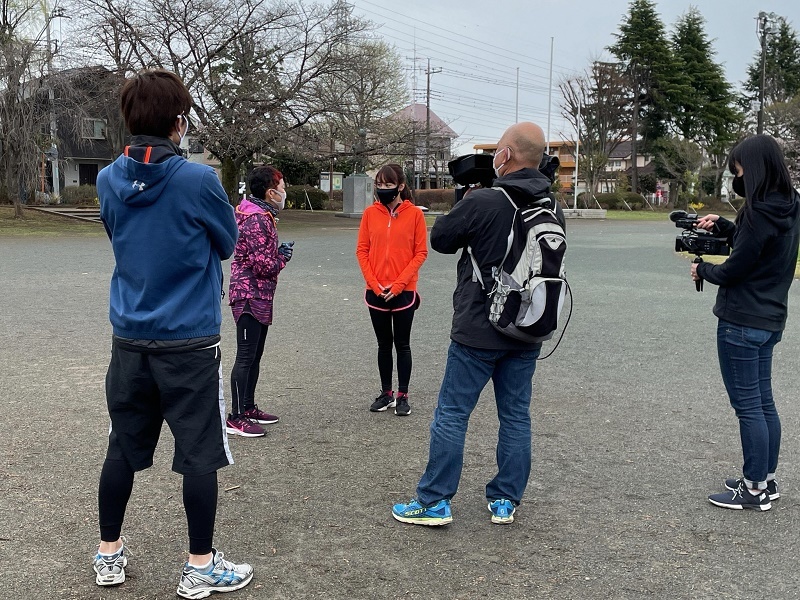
pixel 497 168
pixel 185 131
pixel 282 203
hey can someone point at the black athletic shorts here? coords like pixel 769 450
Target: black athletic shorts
pixel 143 389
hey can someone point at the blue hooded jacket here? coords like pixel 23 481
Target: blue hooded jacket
pixel 170 225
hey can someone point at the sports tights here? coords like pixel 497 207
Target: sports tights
pixel 199 501
pixel 250 338
pixel 393 329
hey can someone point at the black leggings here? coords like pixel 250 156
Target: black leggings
pixel 250 338
pixel 393 329
pixel 199 502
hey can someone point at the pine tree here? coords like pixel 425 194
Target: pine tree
pixel 657 84
pixel 782 67
pixel 708 113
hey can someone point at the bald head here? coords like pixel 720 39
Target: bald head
pixel 527 144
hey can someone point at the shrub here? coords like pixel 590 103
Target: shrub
pixel 296 197
pixel 428 198
pixel 82 194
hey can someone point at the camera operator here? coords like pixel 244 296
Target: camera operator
pixel 478 352
pixel 752 306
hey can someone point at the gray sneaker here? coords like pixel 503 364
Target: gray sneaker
pixel 110 569
pixel 222 576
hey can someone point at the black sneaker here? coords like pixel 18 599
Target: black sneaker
pixel 741 498
pixel 772 487
pixel 402 409
pixel 382 402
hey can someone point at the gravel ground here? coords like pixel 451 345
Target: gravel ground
pixel 632 430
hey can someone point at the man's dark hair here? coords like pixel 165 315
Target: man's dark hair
pixel 264 178
pixel 151 100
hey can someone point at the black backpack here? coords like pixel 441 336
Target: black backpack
pixel 530 286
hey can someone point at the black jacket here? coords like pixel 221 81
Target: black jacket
pixel 754 281
pixel 482 220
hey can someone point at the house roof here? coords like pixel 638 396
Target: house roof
pixel 418 113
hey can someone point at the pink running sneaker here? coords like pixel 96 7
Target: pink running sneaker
pixel 244 427
pixel 257 415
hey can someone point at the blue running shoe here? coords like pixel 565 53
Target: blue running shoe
pixel 502 511
pixel 415 513
pixel 221 576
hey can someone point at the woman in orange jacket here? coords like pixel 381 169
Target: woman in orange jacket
pixel 392 245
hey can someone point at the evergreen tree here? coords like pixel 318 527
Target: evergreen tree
pixel 782 67
pixel 655 79
pixel 707 114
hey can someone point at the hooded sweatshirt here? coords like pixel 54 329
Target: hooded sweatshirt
pixel 256 262
pixel 170 225
pixel 482 220
pixel 754 280
pixel 392 246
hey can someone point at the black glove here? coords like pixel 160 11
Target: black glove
pixel 285 250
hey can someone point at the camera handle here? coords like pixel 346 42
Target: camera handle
pixel 698 285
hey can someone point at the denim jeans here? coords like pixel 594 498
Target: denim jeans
pixel 745 359
pixel 467 372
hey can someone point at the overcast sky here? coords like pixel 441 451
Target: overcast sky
pixel 478 45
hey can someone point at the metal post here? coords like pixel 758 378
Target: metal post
pixel 549 95
pixel 577 152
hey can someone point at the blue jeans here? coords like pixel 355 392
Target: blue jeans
pixel 467 372
pixel 745 359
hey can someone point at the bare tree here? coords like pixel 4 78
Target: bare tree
pixel 596 105
pixel 783 123
pixel 251 65
pixel 23 100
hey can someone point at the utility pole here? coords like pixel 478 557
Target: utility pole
pixel 516 110
pixel 428 73
pixel 764 30
pixel 53 152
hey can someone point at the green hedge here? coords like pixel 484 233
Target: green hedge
pixel 615 201
pixel 82 194
pixel 428 198
pixel 296 197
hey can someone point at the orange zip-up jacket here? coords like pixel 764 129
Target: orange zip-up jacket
pixel 392 247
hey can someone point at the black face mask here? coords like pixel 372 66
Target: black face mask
pixel 738 186
pixel 386 197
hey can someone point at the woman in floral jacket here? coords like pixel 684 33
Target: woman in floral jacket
pixel 257 261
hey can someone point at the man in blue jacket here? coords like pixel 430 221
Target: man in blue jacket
pixel 478 352
pixel 170 225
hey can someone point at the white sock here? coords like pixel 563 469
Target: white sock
pixel 204 567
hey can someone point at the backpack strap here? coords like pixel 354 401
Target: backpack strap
pixel 476 271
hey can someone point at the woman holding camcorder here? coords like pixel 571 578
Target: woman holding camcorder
pixel 752 306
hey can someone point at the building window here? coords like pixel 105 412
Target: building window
pixel 94 129
pixel 196 146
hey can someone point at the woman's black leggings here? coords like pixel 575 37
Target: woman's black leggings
pixel 250 338
pixel 199 501
pixel 393 329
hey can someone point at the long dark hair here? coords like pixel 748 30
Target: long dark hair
pixel 764 168
pixel 393 173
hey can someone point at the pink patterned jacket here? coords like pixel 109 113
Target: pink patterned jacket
pixel 256 262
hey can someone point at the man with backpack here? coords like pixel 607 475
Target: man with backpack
pixel 479 226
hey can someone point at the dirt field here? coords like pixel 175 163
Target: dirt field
pixel 632 430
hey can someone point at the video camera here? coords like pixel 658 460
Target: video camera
pixel 478 169
pixel 697 241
